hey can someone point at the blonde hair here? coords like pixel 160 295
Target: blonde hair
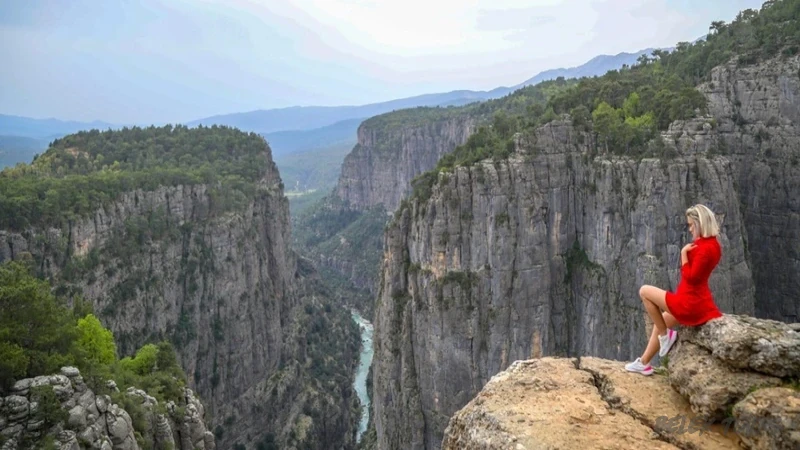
pixel 703 218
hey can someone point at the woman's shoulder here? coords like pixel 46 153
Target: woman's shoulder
pixel 711 243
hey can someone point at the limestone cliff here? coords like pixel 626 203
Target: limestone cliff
pixel 62 412
pixel 543 253
pixel 225 289
pixel 387 157
pixel 757 109
pixel 594 403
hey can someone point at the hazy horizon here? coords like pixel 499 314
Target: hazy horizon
pixel 162 61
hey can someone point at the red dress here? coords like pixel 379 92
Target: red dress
pixel 692 304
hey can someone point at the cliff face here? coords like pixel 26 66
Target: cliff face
pixel 376 175
pixel 757 109
pixel 380 168
pixel 226 290
pixel 543 253
pixel 537 255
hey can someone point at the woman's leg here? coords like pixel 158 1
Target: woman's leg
pixel 655 300
pixel 652 345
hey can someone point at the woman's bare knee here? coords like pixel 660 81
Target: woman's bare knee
pixel 654 295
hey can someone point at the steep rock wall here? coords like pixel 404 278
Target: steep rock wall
pixel 380 168
pixel 224 289
pixel 540 254
pixel 757 109
pixel 543 254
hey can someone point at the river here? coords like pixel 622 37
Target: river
pixel 365 361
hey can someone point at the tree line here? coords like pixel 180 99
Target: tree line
pixel 83 171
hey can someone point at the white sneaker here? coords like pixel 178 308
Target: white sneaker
pixel 638 367
pixel 666 341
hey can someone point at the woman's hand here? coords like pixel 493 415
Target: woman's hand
pixel 686 249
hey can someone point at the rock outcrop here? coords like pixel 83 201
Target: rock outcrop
pixel 62 409
pixel 719 363
pixel 769 419
pixel 563 403
pixel 594 403
pixel 543 253
pixel 226 290
pixel 388 156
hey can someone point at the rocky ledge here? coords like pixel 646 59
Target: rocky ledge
pixel 61 412
pixel 730 383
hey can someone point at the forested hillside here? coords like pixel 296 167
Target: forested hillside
pixel 627 107
pixel 181 235
pixel 84 171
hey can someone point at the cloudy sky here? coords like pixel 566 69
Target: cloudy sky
pixel 154 61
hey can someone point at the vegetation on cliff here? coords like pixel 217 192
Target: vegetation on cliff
pixel 83 171
pixel 40 333
pixel 626 108
pixel 312 392
pixel 346 238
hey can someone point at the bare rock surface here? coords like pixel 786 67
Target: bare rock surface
pixel 545 404
pixel 744 342
pixel 654 402
pixel 769 419
pixel 711 386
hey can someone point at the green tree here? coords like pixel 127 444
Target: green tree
pixel 606 121
pixel 95 343
pixel 639 130
pixel 631 105
pixel 167 359
pixel 36 331
pixel 503 125
pixel 144 362
pixel 13 363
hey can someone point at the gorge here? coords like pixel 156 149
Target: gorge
pixel 467 254
pixel 164 251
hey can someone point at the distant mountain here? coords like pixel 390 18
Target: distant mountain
pixel 301 128
pixel 312 117
pixel 309 117
pixel 45 128
pixel 15 149
pixel 286 142
pixel 596 66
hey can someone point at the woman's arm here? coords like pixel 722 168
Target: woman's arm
pixel 699 268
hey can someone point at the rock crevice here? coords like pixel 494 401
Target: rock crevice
pixel 568 403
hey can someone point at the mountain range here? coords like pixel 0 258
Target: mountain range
pixel 292 129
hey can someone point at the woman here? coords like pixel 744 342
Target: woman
pixel 692 304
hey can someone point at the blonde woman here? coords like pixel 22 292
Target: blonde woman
pixel 692 303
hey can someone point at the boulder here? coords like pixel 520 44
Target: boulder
pixel 70 372
pixel 743 342
pixel 68 440
pixel 120 426
pixel 769 419
pixel 711 386
pixel 16 408
pixel 77 418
